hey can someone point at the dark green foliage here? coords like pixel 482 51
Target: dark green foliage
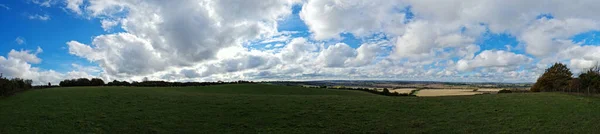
pixel 171 84
pixel 386 91
pixel 575 85
pixel 100 82
pixel 96 82
pixel 80 82
pixel 118 83
pixel 11 86
pixel 555 78
pixel 590 81
pixel 504 91
pixel 558 78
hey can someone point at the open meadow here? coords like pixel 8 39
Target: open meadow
pixel 260 108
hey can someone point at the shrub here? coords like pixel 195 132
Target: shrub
pixel 504 91
pixel 11 86
pixel 385 91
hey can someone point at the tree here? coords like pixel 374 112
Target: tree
pixel 575 85
pixel 590 80
pixel 555 78
pixel 97 82
pixel 386 91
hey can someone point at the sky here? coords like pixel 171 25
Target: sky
pixel 211 40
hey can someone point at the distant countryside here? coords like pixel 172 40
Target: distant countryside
pixel 92 106
pixel 299 66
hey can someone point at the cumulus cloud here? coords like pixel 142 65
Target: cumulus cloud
pixel 26 56
pixel 74 5
pixel 342 55
pixel 493 58
pixel 107 25
pixel 164 35
pixel 328 18
pixel 115 52
pixel 18 64
pixel 545 36
pixel 423 40
pixel 399 39
pixel 337 55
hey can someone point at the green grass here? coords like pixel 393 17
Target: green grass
pixel 278 109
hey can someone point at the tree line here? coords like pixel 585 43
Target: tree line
pixel 82 82
pixel 559 78
pixel 100 82
pixel 385 91
pixel 11 86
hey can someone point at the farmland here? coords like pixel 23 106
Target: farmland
pixel 261 108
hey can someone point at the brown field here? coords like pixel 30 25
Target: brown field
pixel 455 92
pixel 402 90
pixel 446 92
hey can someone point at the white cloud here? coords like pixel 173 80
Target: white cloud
pixel 337 55
pixel 175 33
pixel 74 5
pixel 86 69
pixel 20 40
pixel 44 3
pixel 298 50
pixel 424 40
pixel 25 56
pixel 18 64
pixel 491 58
pixel 114 53
pixel 328 18
pixel 342 55
pixel 107 25
pixel 44 17
pixel 546 37
pixel 211 40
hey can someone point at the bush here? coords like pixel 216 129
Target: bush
pixel 11 86
pixel 385 91
pixel 504 91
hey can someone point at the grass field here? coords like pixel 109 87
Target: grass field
pixel 276 109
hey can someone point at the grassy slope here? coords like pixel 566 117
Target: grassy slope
pixel 265 108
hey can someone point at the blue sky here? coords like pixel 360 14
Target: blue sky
pixel 50 35
pixel 292 40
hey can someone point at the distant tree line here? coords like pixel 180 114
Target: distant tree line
pixel 385 91
pixel 11 86
pixel 100 82
pixel 558 78
pixel 82 82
